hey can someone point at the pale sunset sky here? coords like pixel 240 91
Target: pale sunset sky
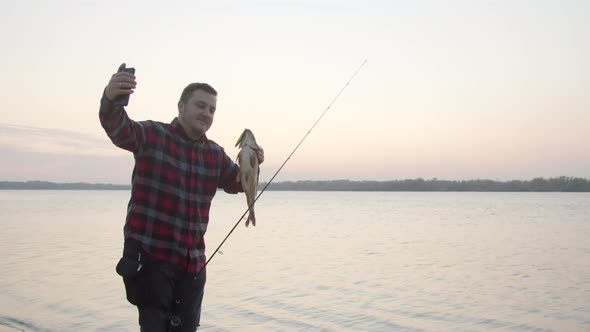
pixel 451 89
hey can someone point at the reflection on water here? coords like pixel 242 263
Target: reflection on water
pixel 316 262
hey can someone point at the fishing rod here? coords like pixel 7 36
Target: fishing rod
pixel 283 165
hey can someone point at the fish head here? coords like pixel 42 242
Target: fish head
pixel 247 137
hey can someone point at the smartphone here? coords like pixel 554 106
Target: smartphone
pixel 123 100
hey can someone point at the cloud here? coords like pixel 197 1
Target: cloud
pixel 55 141
pixel 31 153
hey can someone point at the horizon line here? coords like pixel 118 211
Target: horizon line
pixel 326 180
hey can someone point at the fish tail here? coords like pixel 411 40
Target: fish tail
pixel 251 218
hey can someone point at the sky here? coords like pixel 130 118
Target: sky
pixel 450 90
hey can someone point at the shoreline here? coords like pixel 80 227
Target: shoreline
pixel 559 184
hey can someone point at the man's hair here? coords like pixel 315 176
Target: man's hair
pixel 188 91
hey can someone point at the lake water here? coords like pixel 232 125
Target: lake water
pixel 316 261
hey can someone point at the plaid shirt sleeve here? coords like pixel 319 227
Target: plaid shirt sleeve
pixel 228 181
pixel 123 132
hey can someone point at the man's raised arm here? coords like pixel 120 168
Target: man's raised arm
pixel 123 132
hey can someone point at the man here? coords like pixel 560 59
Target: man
pixel 176 175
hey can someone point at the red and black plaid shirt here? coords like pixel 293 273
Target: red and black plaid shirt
pixel 173 183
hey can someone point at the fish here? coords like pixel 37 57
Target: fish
pixel 249 170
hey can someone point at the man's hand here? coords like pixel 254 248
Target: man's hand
pixel 260 154
pixel 121 83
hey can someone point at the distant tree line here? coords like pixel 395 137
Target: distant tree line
pixel 565 184
pixel 44 185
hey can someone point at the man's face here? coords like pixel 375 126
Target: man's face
pixel 196 115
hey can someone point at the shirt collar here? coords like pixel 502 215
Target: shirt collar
pixel 176 128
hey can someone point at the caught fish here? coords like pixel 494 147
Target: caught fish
pixel 248 161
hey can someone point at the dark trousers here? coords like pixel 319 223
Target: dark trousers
pixel 167 297
pixel 178 307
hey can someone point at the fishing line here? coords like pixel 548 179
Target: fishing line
pixel 283 165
